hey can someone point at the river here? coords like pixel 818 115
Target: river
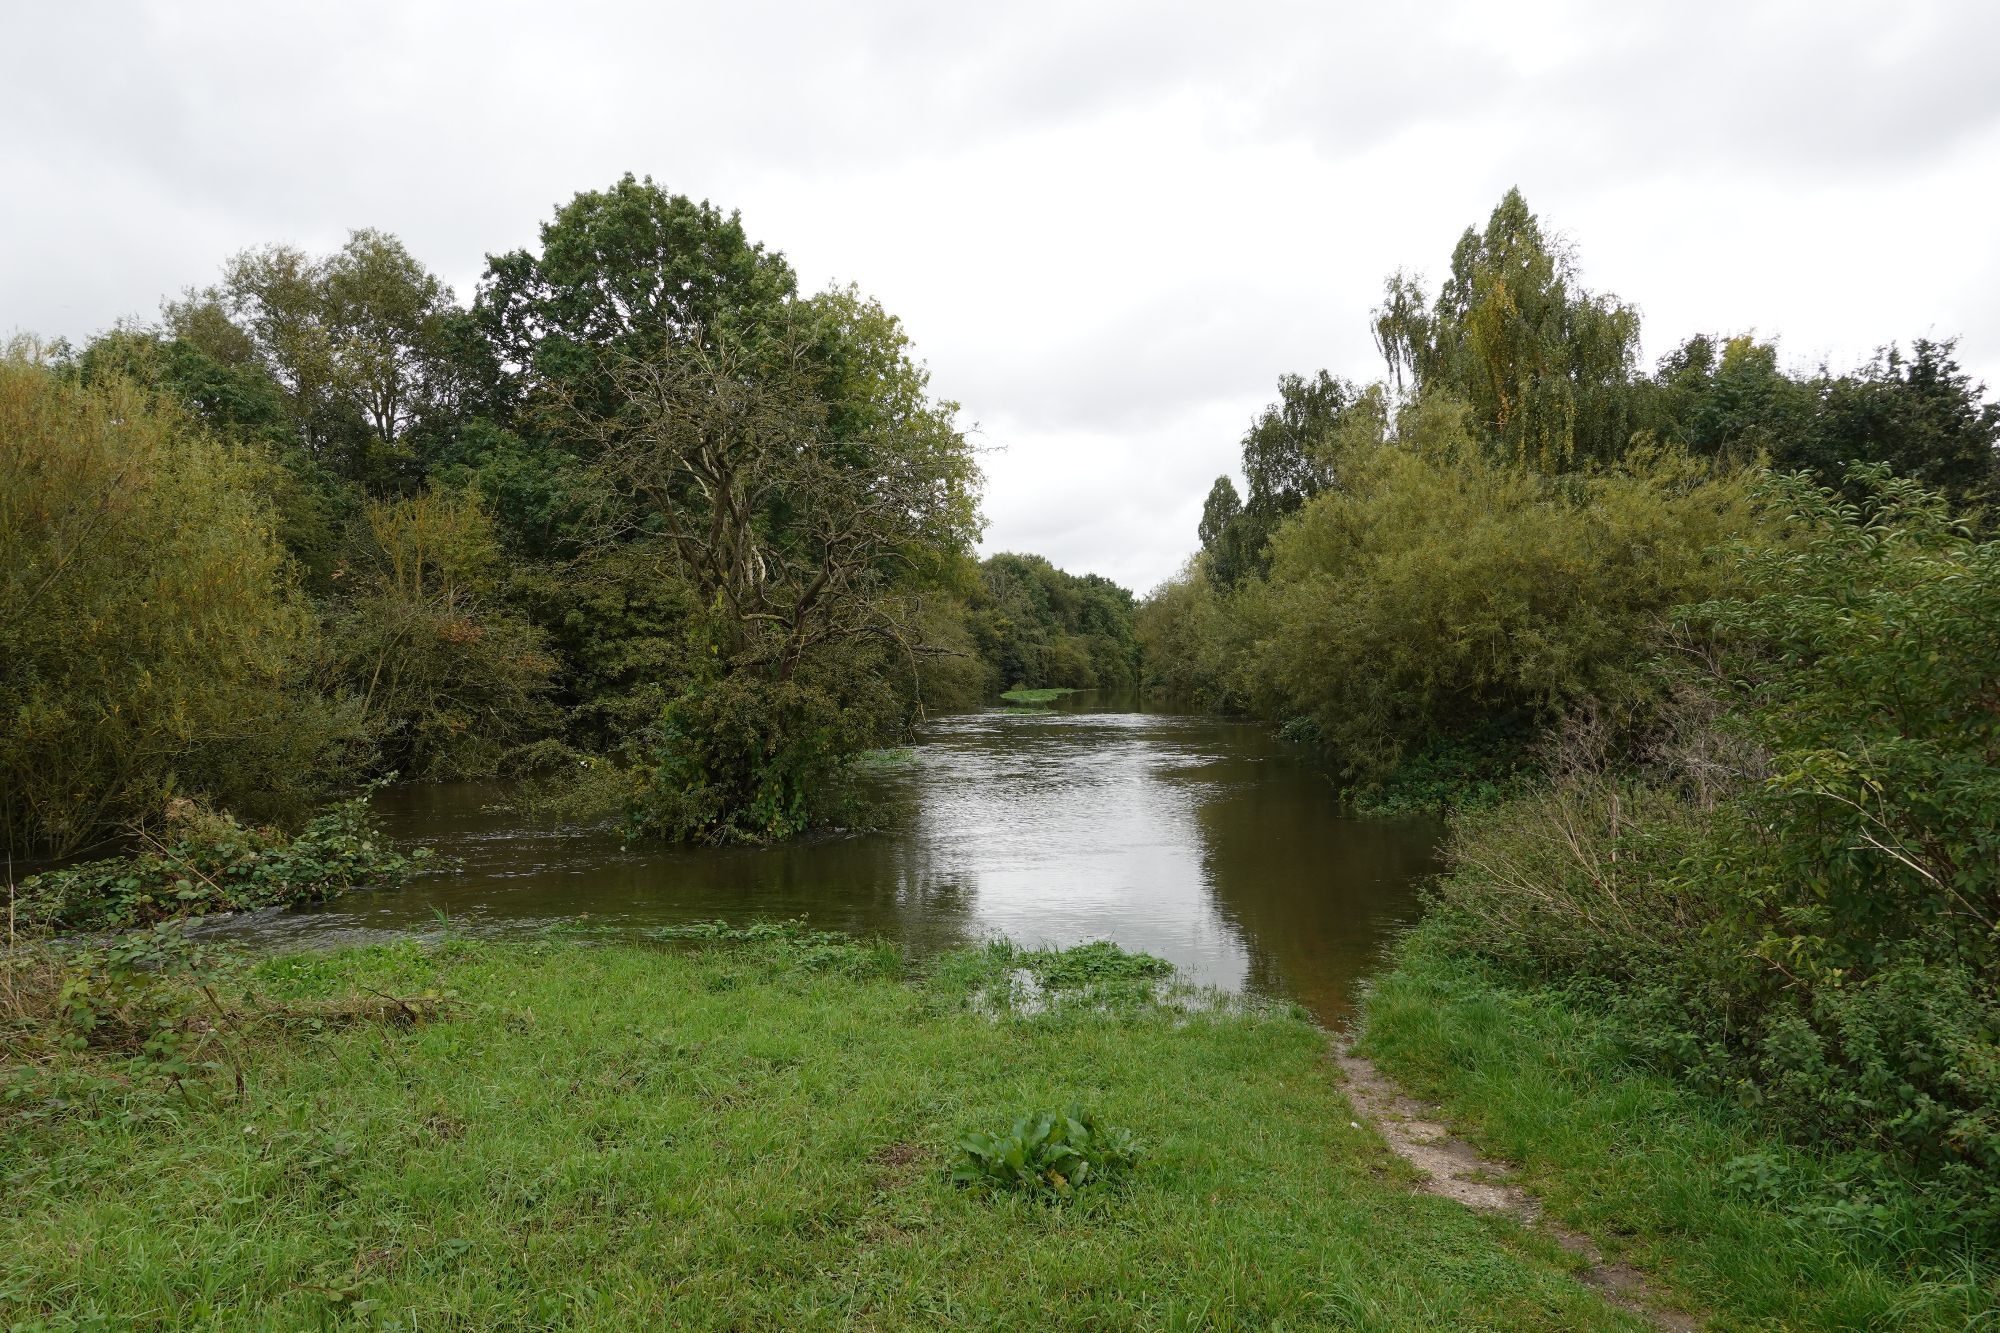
pixel 1204 840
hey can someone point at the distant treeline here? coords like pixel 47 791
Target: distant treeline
pixel 640 515
pixel 1707 658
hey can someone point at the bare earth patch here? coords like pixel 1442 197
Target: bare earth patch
pixel 1454 1169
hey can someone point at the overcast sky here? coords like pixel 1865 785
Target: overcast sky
pixel 1109 228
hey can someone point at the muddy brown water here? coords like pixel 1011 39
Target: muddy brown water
pixel 1204 840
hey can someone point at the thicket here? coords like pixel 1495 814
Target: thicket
pixel 1439 595
pixel 152 641
pixel 639 506
pixel 201 862
pixel 1788 890
pixel 1429 571
pixel 1714 649
pixel 1036 627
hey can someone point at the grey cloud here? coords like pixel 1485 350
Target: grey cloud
pixel 1109 226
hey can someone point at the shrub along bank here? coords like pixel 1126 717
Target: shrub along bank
pixel 1783 893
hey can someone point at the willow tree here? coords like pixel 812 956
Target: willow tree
pixel 1544 364
pixel 150 645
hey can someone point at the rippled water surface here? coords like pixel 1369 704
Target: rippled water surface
pixel 1201 839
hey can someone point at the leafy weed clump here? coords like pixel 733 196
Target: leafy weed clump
pixel 210 863
pixel 1051 1156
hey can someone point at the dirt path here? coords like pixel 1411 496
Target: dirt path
pixel 1454 1169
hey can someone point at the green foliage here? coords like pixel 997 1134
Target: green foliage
pixel 1054 1155
pixel 1084 965
pixel 737 758
pixel 208 862
pixel 359 343
pixel 1544 365
pixel 623 273
pixel 1224 535
pixel 448 677
pixel 1041 696
pixel 1439 596
pixel 1864 663
pixel 153 646
pixel 1287 454
pixel 1799 907
pixel 1468 774
pixel 529 531
pixel 1920 414
pixel 1036 626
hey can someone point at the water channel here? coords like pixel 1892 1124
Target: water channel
pixel 1204 840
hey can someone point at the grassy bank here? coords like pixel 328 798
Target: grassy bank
pixel 725 1133
pixel 1676 1181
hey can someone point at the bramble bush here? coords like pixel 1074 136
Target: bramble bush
pixel 208 862
pixel 738 758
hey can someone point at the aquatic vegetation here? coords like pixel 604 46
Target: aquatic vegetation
pixel 1035 696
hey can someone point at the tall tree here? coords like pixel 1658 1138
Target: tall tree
pixel 624 273
pixel 1921 414
pixel 1545 364
pixel 357 340
pixel 1283 459
pixel 807 550
pixel 1222 532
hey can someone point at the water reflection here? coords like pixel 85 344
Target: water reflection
pixel 1196 838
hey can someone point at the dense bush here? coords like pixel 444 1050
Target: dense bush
pixel 1437 593
pixel 206 862
pixel 150 642
pixel 448 677
pixel 1799 904
pixel 737 758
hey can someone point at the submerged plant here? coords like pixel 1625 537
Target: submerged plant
pixel 1048 1156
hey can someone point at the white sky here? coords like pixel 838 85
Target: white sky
pixel 1109 228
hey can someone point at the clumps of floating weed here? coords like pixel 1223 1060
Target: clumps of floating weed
pixel 1005 980
pixel 1042 696
pixel 899 757
pixel 793 943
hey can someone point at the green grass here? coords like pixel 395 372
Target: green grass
pixel 1041 696
pixel 1664 1175
pixel 744 1129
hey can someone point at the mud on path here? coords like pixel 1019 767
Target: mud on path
pixel 1454 1169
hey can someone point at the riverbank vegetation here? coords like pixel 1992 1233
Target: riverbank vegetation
pixel 1704 657
pixel 746 1127
pixel 639 509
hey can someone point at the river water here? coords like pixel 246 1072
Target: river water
pixel 1201 839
